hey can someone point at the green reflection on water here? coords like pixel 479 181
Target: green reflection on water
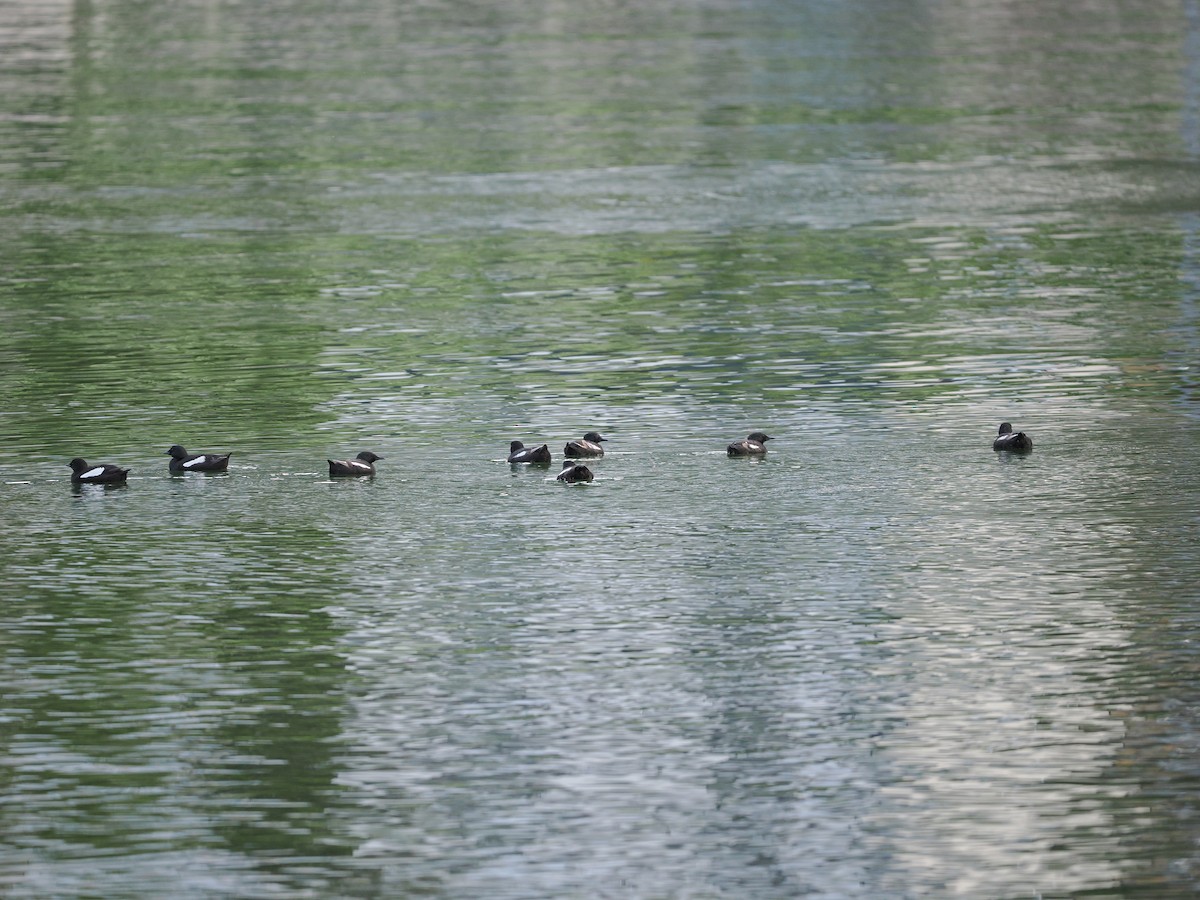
pixel 249 339
pixel 217 686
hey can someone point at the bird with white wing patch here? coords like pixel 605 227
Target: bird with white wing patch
pixel 83 472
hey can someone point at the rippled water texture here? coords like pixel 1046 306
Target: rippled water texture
pixel 884 661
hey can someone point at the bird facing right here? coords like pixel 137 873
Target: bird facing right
pixel 361 465
pixel 588 447
pixel 754 445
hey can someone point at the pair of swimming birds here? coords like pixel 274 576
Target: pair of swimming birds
pixel 572 472
pixel 82 472
pixel 586 448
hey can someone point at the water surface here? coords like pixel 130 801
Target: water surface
pixel 883 661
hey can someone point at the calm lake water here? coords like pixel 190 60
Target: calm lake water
pixel 884 661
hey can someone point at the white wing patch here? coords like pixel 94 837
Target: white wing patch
pixel 360 465
pixel 93 473
pixel 193 462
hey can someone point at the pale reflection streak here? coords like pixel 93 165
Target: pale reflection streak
pixel 984 193
pixel 1010 644
pixel 1003 742
pixel 631 733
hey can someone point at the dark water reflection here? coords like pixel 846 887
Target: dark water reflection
pixel 884 661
